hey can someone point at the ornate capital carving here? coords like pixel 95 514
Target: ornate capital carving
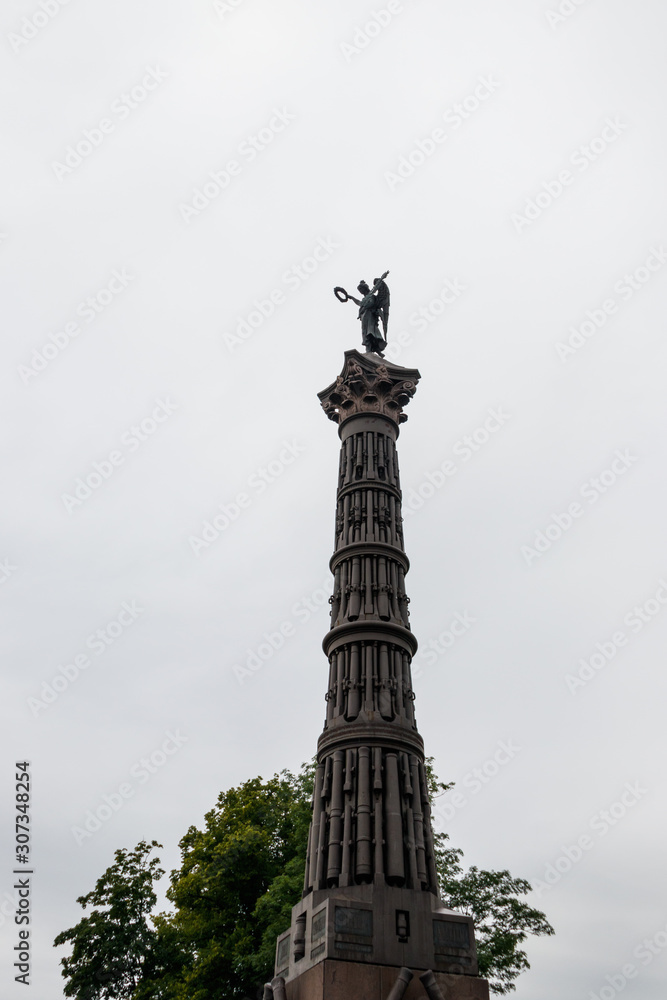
pixel 367 384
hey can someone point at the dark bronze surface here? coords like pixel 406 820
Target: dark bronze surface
pixel 373 309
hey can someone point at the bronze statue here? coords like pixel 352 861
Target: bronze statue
pixel 372 307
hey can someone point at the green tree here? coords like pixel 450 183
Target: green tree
pixel 233 893
pixel 114 948
pixel 502 919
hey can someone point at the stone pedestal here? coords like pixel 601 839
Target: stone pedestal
pixel 334 980
pixel 379 926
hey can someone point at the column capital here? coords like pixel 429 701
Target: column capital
pixel 371 386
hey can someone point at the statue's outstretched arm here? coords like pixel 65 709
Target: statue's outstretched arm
pixel 379 281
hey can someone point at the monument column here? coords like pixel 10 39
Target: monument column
pixel 370 910
pixel 370 753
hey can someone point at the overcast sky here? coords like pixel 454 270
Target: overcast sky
pixel 183 184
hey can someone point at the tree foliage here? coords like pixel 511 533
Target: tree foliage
pixel 114 947
pixel 502 919
pixel 232 896
pixel 238 880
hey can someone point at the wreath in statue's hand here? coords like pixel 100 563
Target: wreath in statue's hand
pixel 342 293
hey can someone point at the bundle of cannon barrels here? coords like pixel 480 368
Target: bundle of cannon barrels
pixel 366 799
pixel 427 979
